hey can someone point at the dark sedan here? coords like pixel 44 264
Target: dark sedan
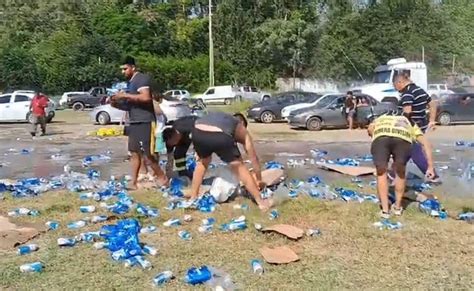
pixel 331 113
pixel 270 110
pixel 456 108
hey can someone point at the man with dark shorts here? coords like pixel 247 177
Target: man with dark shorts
pixel 393 136
pixel 350 108
pixel 141 130
pixel 178 140
pixel 219 133
pixel 414 103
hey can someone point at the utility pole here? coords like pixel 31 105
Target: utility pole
pixel 454 63
pixel 211 48
pixel 423 54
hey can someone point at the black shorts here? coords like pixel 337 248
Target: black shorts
pixel 141 138
pixel 223 145
pixel 386 146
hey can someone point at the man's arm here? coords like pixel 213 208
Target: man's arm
pixel 250 149
pixel 407 103
pixel 143 96
pixel 180 158
pixel 119 104
pixel 427 149
pixel 370 129
pixel 433 106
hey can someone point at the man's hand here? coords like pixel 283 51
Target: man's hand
pixel 430 173
pixel 261 184
pixel 370 129
pixel 120 95
pixel 431 126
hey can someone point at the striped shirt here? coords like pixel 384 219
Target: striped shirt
pixel 418 99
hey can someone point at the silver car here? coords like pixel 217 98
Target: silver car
pixel 106 114
pixel 330 113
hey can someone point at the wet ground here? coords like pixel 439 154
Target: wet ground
pixel 68 143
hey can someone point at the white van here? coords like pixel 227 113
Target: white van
pixel 220 94
pixel 382 88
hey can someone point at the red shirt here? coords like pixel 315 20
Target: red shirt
pixel 38 104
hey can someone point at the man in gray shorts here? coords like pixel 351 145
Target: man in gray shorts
pixel 141 131
pixel 350 108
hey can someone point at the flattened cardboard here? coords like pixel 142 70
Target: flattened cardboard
pixel 289 231
pixel 279 255
pixel 272 176
pixel 12 235
pixel 348 170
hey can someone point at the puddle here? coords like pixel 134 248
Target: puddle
pixel 39 163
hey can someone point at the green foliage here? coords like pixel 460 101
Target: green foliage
pixel 61 45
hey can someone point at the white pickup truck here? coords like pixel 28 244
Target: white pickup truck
pixel 436 90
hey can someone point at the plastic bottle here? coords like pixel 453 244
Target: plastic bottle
pixel 130 262
pixel 172 222
pixel 313 232
pixel 244 207
pixel 235 225
pixel 100 245
pixel 208 221
pixel 52 225
pixel 87 209
pixel 32 267
pixel 257 267
pixel 205 228
pixel 26 249
pixel 149 229
pixel 66 242
pixel 99 218
pixel 163 278
pixel 467 216
pixel 76 224
pixel 19 212
pixel 274 214
pixel 93 174
pixel 90 236
pixel 152 251
pixel 196 276
pixel 144 263
pixel 119 255
pixel 184 235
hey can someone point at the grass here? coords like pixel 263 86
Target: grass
pixel 350 253
pixel 426 254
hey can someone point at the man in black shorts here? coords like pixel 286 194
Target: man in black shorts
pixel 178 140
pixel 219 133
pixel 393 136
pixel 141 130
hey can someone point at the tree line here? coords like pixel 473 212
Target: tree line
pixel 64 45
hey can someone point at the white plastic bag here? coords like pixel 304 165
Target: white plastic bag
pixel 224 185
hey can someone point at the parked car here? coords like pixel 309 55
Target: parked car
pixel 270 110
pixel 285 112
pixel 96 96
pixel 330 113
pixel 173 110
pixel 16 107
pixel 253 94
pixel 220 94
pixel 66 95
pixel 177 94
pixel 436 90
pixel 455 108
